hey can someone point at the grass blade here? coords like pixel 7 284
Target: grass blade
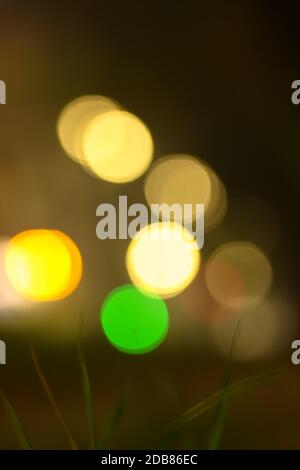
pixel 114 421
pixel 15 422
pixel 193 413
pixel 221 410
pixel 51 398
pixel 87 397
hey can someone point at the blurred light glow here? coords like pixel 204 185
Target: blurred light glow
pixel 264 331
pixel 9 297
pixel 178 179
pixel 199 305
pixel 238 275
pixel 183 179
pixel 75 117
pixel 250 218
pixel 133 322
pixel 43 265
pixel 162 259
pixel 117 146
pixel 218 205
pixel 76 263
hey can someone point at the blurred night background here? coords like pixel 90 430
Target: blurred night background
pixel 211 80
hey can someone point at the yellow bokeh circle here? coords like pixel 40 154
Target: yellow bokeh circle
pixel 178 179
pixel 183 179
pixel 163 259
pixel 43 265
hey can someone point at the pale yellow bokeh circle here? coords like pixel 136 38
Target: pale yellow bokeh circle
pixel 216 210
pixel 42 265
pixel 178 179
pixel 238 275
pixel 163 259
pixel 117 146
pixel 75 117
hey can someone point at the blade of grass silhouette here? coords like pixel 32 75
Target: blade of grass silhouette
pixel 235 389
pixel 114 420
pixel 221 409
pixel 15 422
pixel 51 398
pixel 85 381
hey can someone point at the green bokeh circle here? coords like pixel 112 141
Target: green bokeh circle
pixel 134 322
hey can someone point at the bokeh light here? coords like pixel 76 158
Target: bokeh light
pixel 218 205
pixel 238 275
pixel 162 259
pixel 9 297
pixel 134 322
pixel 183 179
pixel 117 146
pixel 199 305
pixel 43 265
pixel 263 332
pixel 74 119
pixel 76 263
